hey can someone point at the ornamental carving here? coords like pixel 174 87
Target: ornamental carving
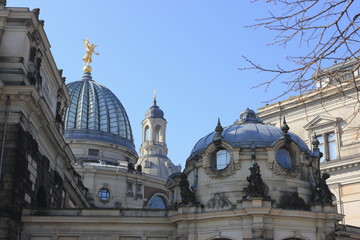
pixel 292 153
pixel 215 173
pixel 35 62
pixel 293 172
pixel 219 201
pixel 210 159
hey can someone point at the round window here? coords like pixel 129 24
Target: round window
pixel 104 194
pixel 284 159
pixel 222 159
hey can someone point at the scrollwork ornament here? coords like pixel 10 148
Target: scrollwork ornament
pixel 293 172
pixel 219 201
pixel 215 173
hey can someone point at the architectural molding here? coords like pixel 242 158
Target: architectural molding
pixel 321 122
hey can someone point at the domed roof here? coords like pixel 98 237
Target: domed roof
pixel 154 112
pixel 248 132
pixel 95 113
pixel 158 165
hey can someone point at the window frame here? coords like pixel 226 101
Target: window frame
pixel 93 152
pixel 101 197
pixel 215 160
pixel 291 156
pixel 324 126
pixel 153 199
pixel 327 149
pixel 210 158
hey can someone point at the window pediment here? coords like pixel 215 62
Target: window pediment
pixel 322 122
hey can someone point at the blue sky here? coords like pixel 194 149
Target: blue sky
pixel 189 51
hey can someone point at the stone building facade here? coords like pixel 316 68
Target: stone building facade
pixel 36 163
pixel 71 176
pixel 330 112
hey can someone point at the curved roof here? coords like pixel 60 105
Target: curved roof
pixel 158 165
pixel 154 112
pixel 96 114
pixel 248 132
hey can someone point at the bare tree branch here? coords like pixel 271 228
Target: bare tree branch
pixel 328 30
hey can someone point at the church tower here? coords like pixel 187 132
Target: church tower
pixel 153 150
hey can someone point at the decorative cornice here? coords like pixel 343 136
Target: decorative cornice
pixel 341 167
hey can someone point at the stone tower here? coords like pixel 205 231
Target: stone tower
pixel 153 150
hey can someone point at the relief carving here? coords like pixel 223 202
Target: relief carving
pixel 215 173
pixel 293 172
pixel 35 61
pixel 219 201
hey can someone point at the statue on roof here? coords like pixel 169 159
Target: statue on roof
pixel 90 50
pixel 187 196
pixel 256 186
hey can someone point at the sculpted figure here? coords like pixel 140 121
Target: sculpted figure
pixel 90 49
pixel 256 186
pixel 322 193
pixel 187 196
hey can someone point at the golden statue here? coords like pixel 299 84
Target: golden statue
pixel 90 49
pixel 154 95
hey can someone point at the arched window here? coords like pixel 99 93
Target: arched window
pixel 221 159
pixel 158 136
pixel 157 202
pixel 146 133
pixel 104 194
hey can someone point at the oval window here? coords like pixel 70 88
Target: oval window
pixel 104 194
pixel 222 159
pixel 284 159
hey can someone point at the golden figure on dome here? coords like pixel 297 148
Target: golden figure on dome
pixel 90 50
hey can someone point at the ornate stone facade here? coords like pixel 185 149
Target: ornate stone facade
pixel 332 119
pixel 47 193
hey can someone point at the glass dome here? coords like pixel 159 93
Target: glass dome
pixel 95 113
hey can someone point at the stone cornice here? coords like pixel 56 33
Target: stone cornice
pixel 340 166
pixel 36 28
pixel 305 99
pixel 260 211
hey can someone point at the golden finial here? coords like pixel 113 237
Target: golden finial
pixel 154 96
pixel 90 49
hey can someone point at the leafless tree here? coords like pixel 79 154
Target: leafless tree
pixel 327 31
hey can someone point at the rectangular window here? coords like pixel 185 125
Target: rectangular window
pixel 331 146
pixel 327 145
pixel 130 189
pixel 321 146
pixel 93 152
pixel 139 191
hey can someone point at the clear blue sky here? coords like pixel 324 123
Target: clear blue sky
pixel 189 51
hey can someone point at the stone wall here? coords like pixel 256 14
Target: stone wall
pixel 27 180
